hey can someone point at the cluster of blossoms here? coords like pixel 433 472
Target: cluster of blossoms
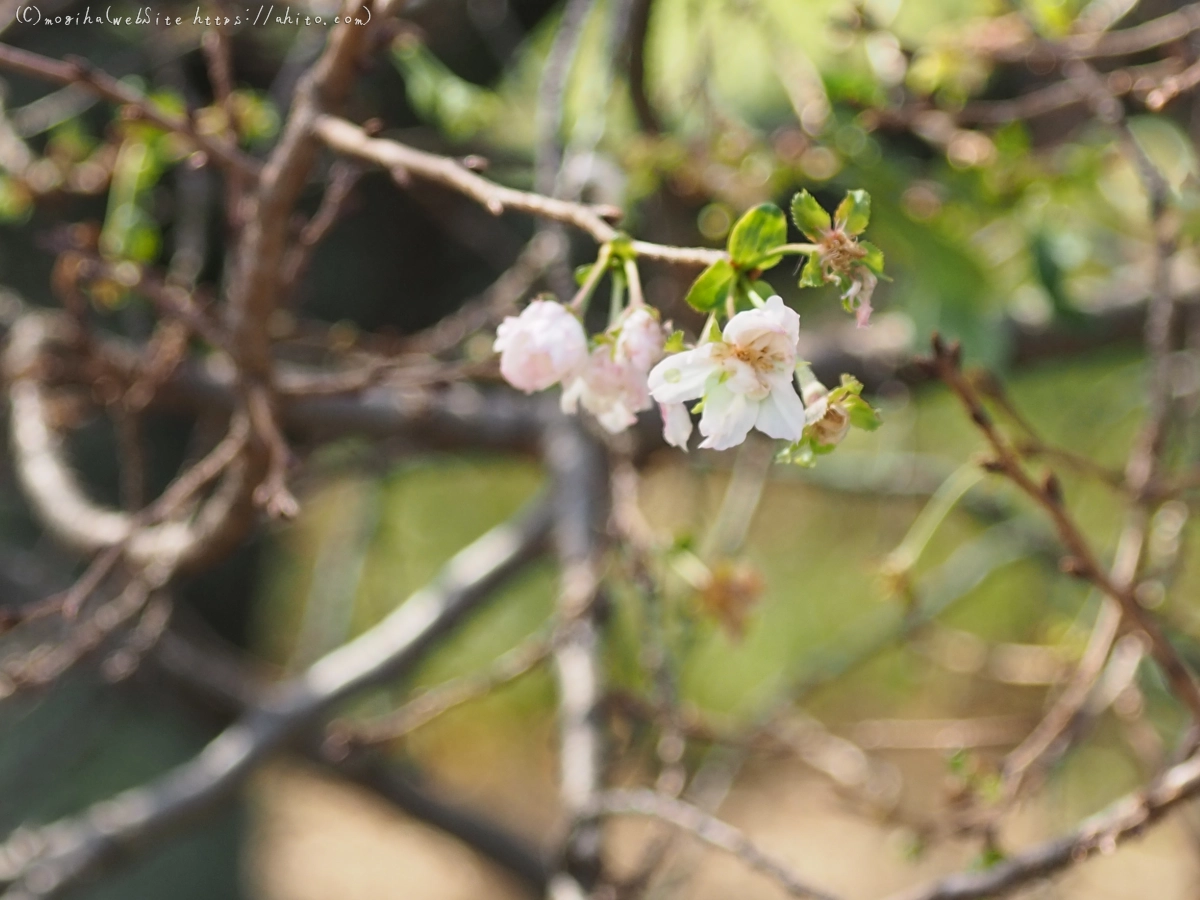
pixel 745 376
pixel 546 345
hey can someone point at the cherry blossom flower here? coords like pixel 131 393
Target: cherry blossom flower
pixel 612 385
pixel 542 346
pixel 744 381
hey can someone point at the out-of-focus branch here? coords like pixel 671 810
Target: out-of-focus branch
pixel 259 259
pixel 343 177
pixel 49 861
pixel 1124 819
pixel 1082 560
pixel 80 72
pixel 707 828
pixel 1142 467
pixel 441 698
pixel 220 679
pixel 580 472
pixel 635 40
pixel 403 161
pixel 498 300
pixel 1174 26
pixel 52 488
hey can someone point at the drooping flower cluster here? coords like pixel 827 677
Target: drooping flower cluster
pixel 546 345
pixel 742 377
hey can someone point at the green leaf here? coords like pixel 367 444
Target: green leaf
pixel 811 275
pixel 756 234
pixel 710 288
pixel 854 212
pixel 874 258
pixel 809 216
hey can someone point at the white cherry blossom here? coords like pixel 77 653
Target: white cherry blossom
pixel 542 346
pixel 744 380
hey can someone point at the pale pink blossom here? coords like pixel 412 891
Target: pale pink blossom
pixel 542 346
pixel 640 338
pixel 745 379
pixel 612 385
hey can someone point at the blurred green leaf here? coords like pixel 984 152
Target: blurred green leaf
pixel 756 233
pixel 809 216
pixel 711 288
pixel 854 213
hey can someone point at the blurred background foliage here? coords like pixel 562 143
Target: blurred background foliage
pixel 1026 223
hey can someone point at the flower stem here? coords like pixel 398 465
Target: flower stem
pixel 784 250
pixel 583 296
pixel 616 299
pixel 636 298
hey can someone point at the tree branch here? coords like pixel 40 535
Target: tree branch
pixel 220 679
pixel 1125 819
pixel 48 862
pixel 707 828
pixel 402 160
pixel 579 468
pixel 80 72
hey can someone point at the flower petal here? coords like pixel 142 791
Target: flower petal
pixel 781 412
pixel 727 418
pixel 753 324
pixel 677 424
pixel 682 376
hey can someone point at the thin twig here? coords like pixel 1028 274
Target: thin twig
pixel 350 139
pixel 1082 560
pixel 80 72
pixel 1100 834
pixel 707 828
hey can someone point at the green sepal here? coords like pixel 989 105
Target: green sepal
pixel 714 331
pixel 710 288
pixel 811 275
pixel 674 343
pixel 854 213
pixel 756 234
pixel 809 216
pixel 803 452
pixel 583 272
pixel 849 394
pixel 874 259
